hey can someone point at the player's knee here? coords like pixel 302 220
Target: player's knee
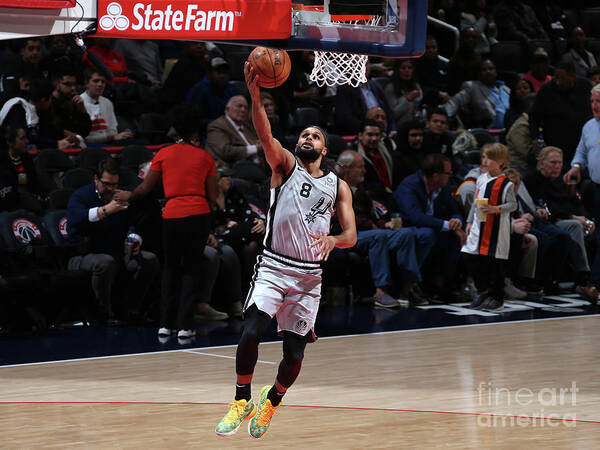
pixel 293 349
pixel 255 325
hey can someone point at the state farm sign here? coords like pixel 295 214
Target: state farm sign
pixel 219 19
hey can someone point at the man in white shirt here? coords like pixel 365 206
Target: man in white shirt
pixel 101 111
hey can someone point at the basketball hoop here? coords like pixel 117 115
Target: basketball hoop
pixel 334 68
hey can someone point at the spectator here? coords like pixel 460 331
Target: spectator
pixel 142 57
pixel 582 59
pixel 437 138
pixel 301 91
pixel 488 243
pixel 101 111
pixel 477 16
pixel 594 75
pixel 68 115
pixel 518 138
pixel 112 59
pixel 518 102
pixel 432 73
pixel 481 103
pixel 380 163
pixel 410 149
pixel 93 213
pixel 516 21
pixel 189 178
pixel 189 70
pixel 425 201
pixel 403 94
pixel 58 57
pixel 378 115
pixel 232 137
pixel 211 94
pixel 352 103
pixel 27 64
pixel 378 239
pixel 466 63
pixel 538 71
pixel 560 110
pixel 566 211
pixel 21 163
pixel 274 118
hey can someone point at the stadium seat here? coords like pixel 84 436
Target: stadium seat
pixel 240 86
pixel 306 115
pixel 153 127
pixel 134 155
pixel 59 199
pixel 30 203
pixel 508 56
pixel 335 145
pixel 75 178
pixel 127 178
pixel 590 22
pixel 483 136
pixel 382 81
pixel 50 165
pixel 90 157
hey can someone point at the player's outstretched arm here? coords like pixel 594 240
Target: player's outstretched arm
pixel 345 214
pixel 280 160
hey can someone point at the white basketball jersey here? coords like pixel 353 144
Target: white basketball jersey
pixel 300 206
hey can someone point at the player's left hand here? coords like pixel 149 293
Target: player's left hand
pixel 324 244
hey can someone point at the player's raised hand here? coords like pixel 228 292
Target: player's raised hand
pixel 251 80
pixel 324 244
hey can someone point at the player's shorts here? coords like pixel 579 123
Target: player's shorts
pixel 283 288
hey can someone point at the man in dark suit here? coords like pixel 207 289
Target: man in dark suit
pixel 94 214
pixel 352 103
pixel 231 137
pixel 425 202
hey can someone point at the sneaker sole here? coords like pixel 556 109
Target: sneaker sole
pixel 248 417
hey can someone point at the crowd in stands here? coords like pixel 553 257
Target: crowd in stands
pixel 517 101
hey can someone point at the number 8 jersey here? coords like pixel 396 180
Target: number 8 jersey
pixel 300 206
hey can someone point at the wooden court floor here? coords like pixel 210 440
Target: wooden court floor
pixel 531 384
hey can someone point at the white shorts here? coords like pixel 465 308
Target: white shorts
pixel 291 293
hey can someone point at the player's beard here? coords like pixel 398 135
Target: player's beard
pixel 307 154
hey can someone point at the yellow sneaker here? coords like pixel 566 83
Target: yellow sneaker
pixel 239 411
pixel 259 425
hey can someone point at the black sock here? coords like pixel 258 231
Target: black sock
pixel 275 396
pixel 242 391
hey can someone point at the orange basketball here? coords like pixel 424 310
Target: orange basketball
pixel 272 66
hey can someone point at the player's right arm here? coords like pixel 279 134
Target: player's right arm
pixel 280 160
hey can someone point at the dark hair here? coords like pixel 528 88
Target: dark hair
pixel 369 123
pixel 10 133
pixel 89 72
pixel 438 111
pixel 402 136
pixel 65 71
pixel 402 87
pixel 593 71
pixel 40 89
pixel 26 40
pixel 108 165
pixel 433 163
pixel 186 120
pixel 514 101
pixel 567 66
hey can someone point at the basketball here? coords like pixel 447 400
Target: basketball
pixel 272 66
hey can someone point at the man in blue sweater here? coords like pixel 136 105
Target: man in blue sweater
pixel 93 214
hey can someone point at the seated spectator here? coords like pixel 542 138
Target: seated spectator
pixel 26 64
pixel 379 162
pixel 582 59
pixel 33 115
pixel 59 56
pixel 566 211
pixel 425 201
pixel 21 163
pixel 68 115
pixel 101 112
pixel 560 110
pixel 516 21
pixel 465 63
pixel 352 103
pixel 378 115
pixel 189 70
pixel 211 94
pixel 518 104
pixel 378 239
pixel 410 154
pixel 232 137
pixel 594 75
pixel 477 15
pixel 432 73
pixel 538 70
pixel 403 94
pixel 93 214
pixel 300 90
pixel 519 141
pixel 274 118
pixel 481 103
pixel 142 57
pixel 437 138
pixel 112 59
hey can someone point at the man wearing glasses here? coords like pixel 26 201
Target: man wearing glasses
pixel 95 216
pixel 68 115
pixel 425 201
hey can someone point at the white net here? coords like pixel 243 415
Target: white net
pixel 333 68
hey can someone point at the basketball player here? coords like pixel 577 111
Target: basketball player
pixel 287 278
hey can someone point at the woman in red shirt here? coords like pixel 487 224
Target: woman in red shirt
pixel 190 183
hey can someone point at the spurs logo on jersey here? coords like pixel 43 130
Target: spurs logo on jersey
pixel 317 209
pixel 300 206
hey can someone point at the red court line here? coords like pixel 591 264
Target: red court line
pixel 349 408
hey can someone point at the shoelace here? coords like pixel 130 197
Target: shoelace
pixel 236 410
pixel 266 413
